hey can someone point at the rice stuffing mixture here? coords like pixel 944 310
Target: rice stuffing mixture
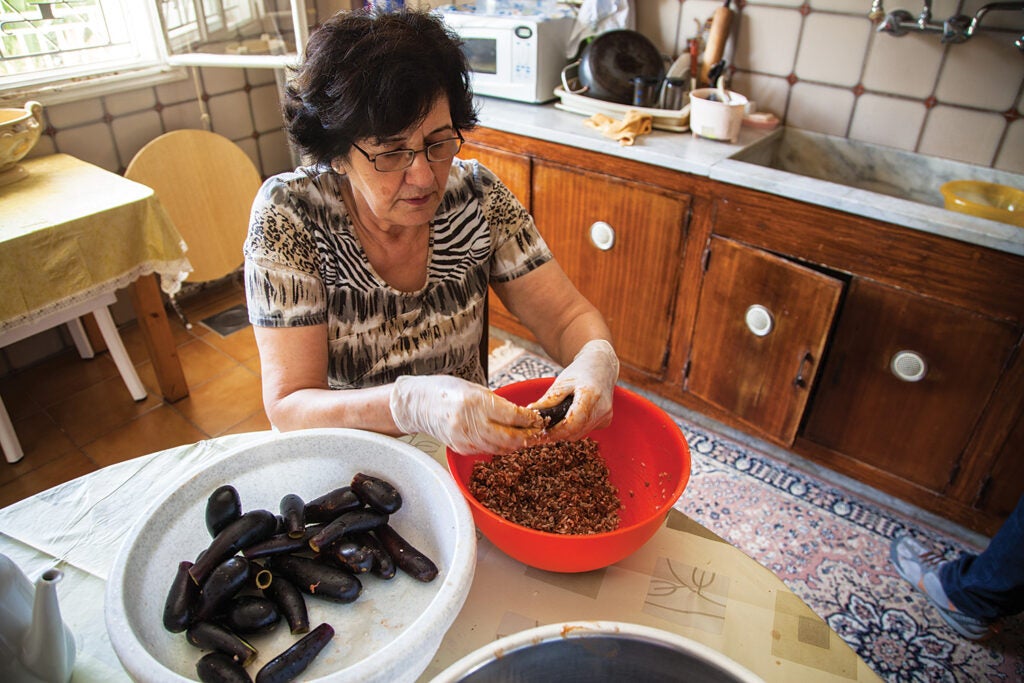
pixel 560 488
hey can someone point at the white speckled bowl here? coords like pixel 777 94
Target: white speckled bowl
pixel 390 633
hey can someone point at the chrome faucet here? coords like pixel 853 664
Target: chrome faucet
pixel 956 29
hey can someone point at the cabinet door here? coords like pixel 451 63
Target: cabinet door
pixel 762 324
pixel 620 242
pixel 906 381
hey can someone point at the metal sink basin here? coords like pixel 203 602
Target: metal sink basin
pixel 870 180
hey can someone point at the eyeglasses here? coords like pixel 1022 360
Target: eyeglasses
pixel 401 159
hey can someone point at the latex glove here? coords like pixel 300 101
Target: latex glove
pixel 465 416
pixel 591 378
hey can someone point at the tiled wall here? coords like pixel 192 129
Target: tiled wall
pixel 818 64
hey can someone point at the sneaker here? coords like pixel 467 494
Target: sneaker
pixel 919 566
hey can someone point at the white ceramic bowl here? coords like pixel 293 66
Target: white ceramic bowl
pixel 596 652
pixel 19 133
pixel 713 119
pixel 390 633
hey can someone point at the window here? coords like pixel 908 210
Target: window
pixel 42 41
pixel 67 45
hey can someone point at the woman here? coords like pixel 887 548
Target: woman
pixel 367 271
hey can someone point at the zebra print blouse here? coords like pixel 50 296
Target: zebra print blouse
pixel 304 266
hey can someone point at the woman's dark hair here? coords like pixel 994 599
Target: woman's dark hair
pixel 370 74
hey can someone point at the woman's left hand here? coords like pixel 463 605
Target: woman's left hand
pixel 590 378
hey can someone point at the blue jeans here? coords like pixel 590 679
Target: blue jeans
pixel 990 585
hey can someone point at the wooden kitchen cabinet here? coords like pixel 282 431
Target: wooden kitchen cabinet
pixel 906 381
pixel 620 242
pixel 845 295
pixel 762 325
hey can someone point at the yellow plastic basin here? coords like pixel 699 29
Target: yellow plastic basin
pixel 986 200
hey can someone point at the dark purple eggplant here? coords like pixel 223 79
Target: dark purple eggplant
pixel 251 528
pixel 290 603
pixel 208 636
pixel 280 543
pixel 376 493
pixel 316 578
pixel 222 507
pixel 349 554
pixel 556 413
pixel 224 582
pixel 181 600
pixel 217 667
pixel 261 578
pixel 347 523
pixel 292 511
pixel 328 506
pixel 383 563
pixel 408 558
pixel 293 661
pixel 246 614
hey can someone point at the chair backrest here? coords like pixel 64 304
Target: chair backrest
pixel 207 185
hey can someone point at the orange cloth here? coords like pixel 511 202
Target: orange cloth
pixel 633 124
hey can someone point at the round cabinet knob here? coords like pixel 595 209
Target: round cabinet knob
pixel 908 366
pixel 602 235
pixel 759 320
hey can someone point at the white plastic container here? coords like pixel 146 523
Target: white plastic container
pixel 714 119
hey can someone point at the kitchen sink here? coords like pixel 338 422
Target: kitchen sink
pixel 874 168
pixel 870 180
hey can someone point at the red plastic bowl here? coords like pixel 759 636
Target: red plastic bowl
pixel 648 461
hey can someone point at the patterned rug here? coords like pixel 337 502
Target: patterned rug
pixel 829 545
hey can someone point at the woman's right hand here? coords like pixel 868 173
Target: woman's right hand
pixel 467 417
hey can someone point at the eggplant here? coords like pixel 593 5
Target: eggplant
pixel 349 554
pixel 347 523
pixel 554 414
pixel 316 578
pixel 222 507
pixel 280 543
pixel 181 600
pixel 330 505
pixel 261 578
pixel 209 636
pixel 292 511
pixel 251 528
pixel 217 667
pixel 246 614
pixel 408 558
pixel 383 563
pixel 290 603
pixel 293 661
pixel 224 582
pixel 376 493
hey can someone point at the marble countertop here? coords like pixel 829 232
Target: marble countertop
pixel 683 152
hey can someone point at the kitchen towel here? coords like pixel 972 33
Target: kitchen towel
pixel 625 131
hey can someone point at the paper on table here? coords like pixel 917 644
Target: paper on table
pixel 99 508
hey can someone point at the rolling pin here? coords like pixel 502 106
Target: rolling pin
pixel 721 20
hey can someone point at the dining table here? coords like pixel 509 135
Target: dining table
pixel 72 233
pixel 686 579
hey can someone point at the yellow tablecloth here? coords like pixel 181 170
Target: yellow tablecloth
pixel 71 231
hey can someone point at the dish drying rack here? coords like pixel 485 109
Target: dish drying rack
pixel 671 120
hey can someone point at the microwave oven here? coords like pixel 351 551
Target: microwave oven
pixel 514 57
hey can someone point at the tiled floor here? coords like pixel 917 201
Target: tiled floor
pixel 73 416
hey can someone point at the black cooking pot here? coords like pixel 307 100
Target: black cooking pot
pixel 610 62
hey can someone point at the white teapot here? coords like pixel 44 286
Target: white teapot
pixel 35 644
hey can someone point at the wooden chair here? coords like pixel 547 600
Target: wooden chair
pixel 207 185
